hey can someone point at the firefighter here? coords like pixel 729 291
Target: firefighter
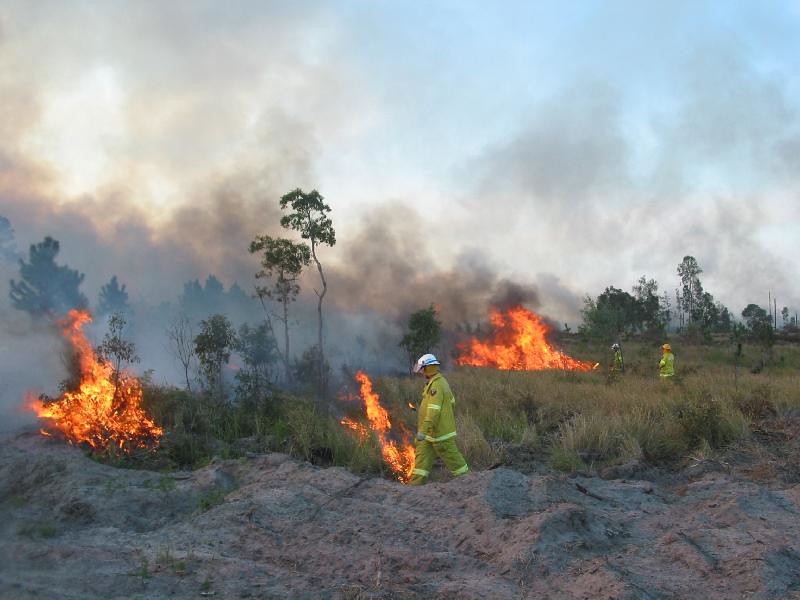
pixel 436 428
pixel 619 365
pixel 666 366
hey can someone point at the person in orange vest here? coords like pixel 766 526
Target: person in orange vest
pixel 666 366
pixel 436 424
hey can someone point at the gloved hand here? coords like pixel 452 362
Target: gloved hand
pixel 420 436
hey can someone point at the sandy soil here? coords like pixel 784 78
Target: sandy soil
pixel 272 527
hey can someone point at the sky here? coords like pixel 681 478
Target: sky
pixel 566 147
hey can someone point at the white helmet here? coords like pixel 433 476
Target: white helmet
pixel 424 361
pixel 615 346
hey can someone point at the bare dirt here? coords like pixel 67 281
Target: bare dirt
pixel 270 526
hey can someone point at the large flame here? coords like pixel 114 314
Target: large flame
pixel 399 456
pixel 518 343
pixel 102 412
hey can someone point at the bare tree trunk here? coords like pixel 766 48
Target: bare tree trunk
pixel 286 333
pixel 181 339
pixel 219 379
pixel 320 351
pixel 268 323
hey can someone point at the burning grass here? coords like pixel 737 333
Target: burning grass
pixel 518 343
pixel 399 454
pixel 585 420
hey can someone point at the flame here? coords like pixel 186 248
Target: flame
pixel 519 343
pixel 361 431
pixel 101 413
pixel 399 456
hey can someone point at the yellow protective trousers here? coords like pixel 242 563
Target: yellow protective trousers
pixel 426 454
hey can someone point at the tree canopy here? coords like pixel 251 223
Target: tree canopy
pixel 424 333
pixel 112 298
pixel 45 287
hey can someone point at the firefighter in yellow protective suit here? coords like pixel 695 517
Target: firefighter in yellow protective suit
pixel 618 366
pixel 666 366
pixel 436 428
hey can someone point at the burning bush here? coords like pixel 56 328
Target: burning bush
pixel 105 411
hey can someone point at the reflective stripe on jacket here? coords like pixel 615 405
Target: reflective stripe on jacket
pixel 436 417
pixel 666 366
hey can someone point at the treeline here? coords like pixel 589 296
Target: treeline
pixel 695 313
pixel 201 334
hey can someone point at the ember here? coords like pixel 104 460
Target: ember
pixel 518 343
pixel 399 456
pixel 103 412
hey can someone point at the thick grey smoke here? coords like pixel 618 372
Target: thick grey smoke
pixel 575 190
pixel 31 359
pixel 395 264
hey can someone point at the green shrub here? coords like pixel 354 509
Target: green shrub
pixel 37 529
pixel 212 498
pixel 566 460
pixel 701 418
pixel 472 443
pixel 757 403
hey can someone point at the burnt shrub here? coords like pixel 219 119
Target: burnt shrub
pixel 757 404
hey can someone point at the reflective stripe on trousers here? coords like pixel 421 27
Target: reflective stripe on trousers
pixel 441 438
pixel 462 470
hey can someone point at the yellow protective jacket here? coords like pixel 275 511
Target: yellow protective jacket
pixel 436 417
pixel 618 364
pixel 666 366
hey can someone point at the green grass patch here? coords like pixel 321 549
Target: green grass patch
pixel 210 499
pixel 37 530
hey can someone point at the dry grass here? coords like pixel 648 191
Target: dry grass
pixel 582 420
pixel 573 420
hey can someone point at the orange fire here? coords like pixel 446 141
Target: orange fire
pixel 519 343
pixel 361 431
pixel 104 413
pixel 399 457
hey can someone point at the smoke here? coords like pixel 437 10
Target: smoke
pixel 509 294
pixel 396 263
pixel 8 242
pixel 31 359
pixel 603 192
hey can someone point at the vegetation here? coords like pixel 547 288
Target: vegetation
pixel 116 349
pixel 424 333
pixel 199 428
pixel 567 420
pixel 309 217
pixel 180 337
pixel 213 346
pixel 282 262
pixel 45 287
pixel 259 352
pixel 112 298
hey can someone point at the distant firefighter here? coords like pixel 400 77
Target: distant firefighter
pixel 666 366
pixel 618 366
pixel 436 430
